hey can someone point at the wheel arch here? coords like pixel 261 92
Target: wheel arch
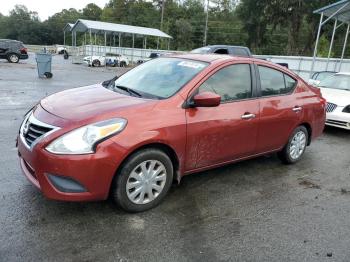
pixel 160 146
pixel 309 131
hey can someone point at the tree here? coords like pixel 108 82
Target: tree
pixel 92 12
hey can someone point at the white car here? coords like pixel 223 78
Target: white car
pixel 109 60
pixel 336 90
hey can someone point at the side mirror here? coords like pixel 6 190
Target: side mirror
pixel 206 99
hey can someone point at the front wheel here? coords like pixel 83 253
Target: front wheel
pixel 143 180
pixel 295 148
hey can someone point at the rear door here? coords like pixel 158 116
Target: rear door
pixel 280 108
pixel 229 131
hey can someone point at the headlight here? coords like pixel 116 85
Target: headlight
pixel 346 109
pixel 84 139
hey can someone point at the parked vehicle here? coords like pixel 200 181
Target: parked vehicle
pixel 150 57
pixel 12 50
pixel 108 60
pixel 336 90
pixel 223 49
pixel 317 77
pixel 60 49
pixel 172 116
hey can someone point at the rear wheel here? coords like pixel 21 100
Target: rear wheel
pixel 96 63
pixel 295 148
pixel 143 181
pixel 13 58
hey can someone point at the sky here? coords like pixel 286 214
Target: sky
pixel 49 7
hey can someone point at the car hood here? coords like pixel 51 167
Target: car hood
pixel 90 102
pixel 336 96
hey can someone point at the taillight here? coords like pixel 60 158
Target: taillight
pixel 23 50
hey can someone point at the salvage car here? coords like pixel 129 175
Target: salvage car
pixel 108 60
pixel 12 50
pixel 133 136
pixel 336 90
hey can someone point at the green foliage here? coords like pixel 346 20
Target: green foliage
pixel 279 27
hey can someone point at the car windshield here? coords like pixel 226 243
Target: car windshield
pixel 202 50
pixel 341 82
pixel 323 75
pixel 159 78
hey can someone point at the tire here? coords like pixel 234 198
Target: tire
pixel 136 198
pixel 48 74
pixel 297 141
pixel 13 58
pixel 96 63
pixel 122 64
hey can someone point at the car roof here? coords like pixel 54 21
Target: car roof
pixel 10 40
pixel 236 46
pixel 209 58
pixel 343 73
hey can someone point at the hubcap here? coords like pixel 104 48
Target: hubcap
pixel 146 182
pixel 297 145
pixel 13 58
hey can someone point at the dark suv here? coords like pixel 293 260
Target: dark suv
pixel 12 50
pixel 223 49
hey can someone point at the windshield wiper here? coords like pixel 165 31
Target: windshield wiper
pixel 129 90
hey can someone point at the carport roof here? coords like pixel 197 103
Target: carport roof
pixel 68 27
pixel 339 10
pixel 83 25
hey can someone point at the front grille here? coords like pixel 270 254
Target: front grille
pixel 330 107
pixel 33 132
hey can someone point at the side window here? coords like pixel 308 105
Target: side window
pixel 231 83
pixel 221 51
pixel 274 82
pixel 239 51
pixel 290 83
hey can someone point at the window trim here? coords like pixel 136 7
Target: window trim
pixel 256 66
pixel 194 90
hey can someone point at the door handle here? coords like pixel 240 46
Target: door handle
pixel 297 109
pixel 248 116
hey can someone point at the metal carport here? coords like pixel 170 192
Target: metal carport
pixel 340 13
pixel 67 28
pixel 111 29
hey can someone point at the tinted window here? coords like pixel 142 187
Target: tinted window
pixel 239 51
pixel 231 83
pixel 290 83
pixel 274 82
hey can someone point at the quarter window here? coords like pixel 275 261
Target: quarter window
pixel 231 83
pixel 274 82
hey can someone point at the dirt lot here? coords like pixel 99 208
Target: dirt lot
pixel 258 210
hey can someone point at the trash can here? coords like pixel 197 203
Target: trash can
pixel 43 61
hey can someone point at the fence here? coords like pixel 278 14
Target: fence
pixel 299 64
pixel 302 65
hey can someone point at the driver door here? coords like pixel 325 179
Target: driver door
pixel 216 135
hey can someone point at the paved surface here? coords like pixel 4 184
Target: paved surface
pixel 258 210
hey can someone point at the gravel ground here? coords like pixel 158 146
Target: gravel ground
pixel 257 210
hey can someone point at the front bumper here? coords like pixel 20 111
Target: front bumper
pixel 337 118
pixel 70 177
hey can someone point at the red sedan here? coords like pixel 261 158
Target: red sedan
pixel 132 136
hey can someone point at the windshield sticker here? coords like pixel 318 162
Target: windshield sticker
pixel 191 64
